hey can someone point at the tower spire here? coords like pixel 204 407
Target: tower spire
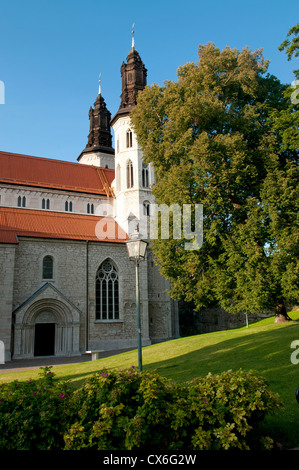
pixel 100 90
pixel 133 39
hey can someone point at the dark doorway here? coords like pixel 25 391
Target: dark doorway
pixel 44 341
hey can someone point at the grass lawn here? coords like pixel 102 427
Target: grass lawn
pixel 263 347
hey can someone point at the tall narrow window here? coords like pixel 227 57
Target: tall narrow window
pixel 146 208
pixel 118 183
pixel 68 206
pixel 145 176
pixel 90 208
pixel 48 267
pixel 107 292
pixel 46 204
pixel 130 180
pixel 21 201
pixel 129 139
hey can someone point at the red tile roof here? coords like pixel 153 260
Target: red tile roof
pixel 56 174
pixel 40 224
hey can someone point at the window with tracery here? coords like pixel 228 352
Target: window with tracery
pixel 130 179
pixel 129 139
pixel 107 292
pixel 145 176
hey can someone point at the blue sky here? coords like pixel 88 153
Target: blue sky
pixel 52 52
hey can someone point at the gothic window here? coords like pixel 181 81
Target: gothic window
pixel 107 292
pixel 130 180
pixel 90 208
pixel 46 204
pixel 129 138
pixel 118 183
pixel 146 208
pixel 48 267
pixel 21 201
pixel 145 176
pixel 68 206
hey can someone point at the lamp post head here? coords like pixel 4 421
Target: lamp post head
pixel 136 248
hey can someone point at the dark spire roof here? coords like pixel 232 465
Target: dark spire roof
pixel 133 75
pixel 99 137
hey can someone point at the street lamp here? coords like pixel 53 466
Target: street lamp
pixel 136 247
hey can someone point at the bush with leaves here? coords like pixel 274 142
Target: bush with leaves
pixel 132 410
pixel 34 414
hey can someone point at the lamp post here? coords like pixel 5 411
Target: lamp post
pixel 136 247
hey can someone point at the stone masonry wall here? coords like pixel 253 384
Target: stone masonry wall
pixel 7 256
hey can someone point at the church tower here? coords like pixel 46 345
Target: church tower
pixel 133 178
pixel 99 150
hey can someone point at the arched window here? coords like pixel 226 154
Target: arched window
pixel 130 180
pixel 48 267
pixel 129 138
pixel 46 204
pixel 107 292
pixel 146 208
pixel 68 206
pixel 145 176
pixel 90 208
pixel 21 201
pixel 118 182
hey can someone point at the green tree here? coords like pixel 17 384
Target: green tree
pixel 212 141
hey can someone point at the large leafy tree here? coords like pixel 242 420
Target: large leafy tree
pixel 214 139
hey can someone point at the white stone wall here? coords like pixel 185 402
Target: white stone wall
pixel 101 159
pixel 9 198
pixel 129 201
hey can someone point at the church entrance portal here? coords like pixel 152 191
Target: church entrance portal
pixel 44 339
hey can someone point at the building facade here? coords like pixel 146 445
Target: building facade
pixel 66 283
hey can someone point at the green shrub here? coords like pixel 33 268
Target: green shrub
pixel 34 415
pixel 126 409
pixel 129 410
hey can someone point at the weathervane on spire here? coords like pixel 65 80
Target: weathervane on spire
pixel 133 40
pixel 100 91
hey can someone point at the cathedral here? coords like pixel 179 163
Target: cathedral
pixel 67 285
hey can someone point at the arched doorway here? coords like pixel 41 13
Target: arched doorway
pixel 44 339
pixel 44 334
pixel 47 327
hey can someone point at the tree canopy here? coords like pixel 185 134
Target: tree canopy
pixel 219 136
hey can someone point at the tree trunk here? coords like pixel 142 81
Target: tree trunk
pixel 280 311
